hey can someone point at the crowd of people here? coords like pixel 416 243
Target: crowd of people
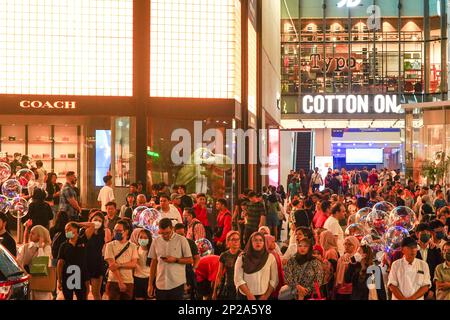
pixel 274 244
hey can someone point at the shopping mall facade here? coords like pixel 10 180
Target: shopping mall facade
pixel 98 87
pixel 349 70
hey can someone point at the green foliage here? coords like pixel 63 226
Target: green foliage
pixel 436 170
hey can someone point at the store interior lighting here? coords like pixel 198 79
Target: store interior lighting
pixel 347 124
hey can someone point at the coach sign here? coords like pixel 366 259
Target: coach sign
pixel 47 104
pixel 350 104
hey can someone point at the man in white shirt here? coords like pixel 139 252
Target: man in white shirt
pixel 409 278
pixel 332 225
pixel 169 211
pixel 170 253
pixel 106 193
pixel 316 180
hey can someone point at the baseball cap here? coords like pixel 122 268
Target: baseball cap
pixel 409 242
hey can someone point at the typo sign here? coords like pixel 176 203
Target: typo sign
pixel 335 64
pixel 350 104
pixel 26 104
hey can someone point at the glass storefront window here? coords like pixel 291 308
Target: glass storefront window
pixel 123 151
pixel 208 172
pixel 337 50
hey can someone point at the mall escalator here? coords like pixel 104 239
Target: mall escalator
pixel 303 151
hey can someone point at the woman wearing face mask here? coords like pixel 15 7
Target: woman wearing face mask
pixel 255 272
pixel 343 289
pixel 302 273
pixel 95 233
pixel 143 240
pixel 356 274
pixel 122 257
pixel 39 245
pixel 72 258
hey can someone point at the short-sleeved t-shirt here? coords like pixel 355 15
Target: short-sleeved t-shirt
pixel 67 193
pixel 74 256
pixel 229 260
pixel 105 195
pixel 170 275
pixel 254 213
pixel 442 274
pixel 112 250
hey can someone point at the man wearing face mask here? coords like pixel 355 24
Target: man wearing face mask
pixel 122 257
pixel 438 233
pixel 442 275
pixel 428 252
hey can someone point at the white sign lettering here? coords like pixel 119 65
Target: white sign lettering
pixel 48 105
pixel 352 104
pixel 348 3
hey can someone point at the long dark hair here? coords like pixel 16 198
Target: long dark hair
pixel 38 195
pixel 302 259
pixel 62 218
pixel 367 261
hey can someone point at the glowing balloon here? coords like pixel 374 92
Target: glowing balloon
pixel 384 206
pixel 5 172
pixel 149 220
pixel 19 208
pixel 403 217
pixel 393 239
pixel 137 214
pixel 379 221
pixel 356 230
pixel 376 243
pixel 11 188
pixel 361 215
pixel 205 247
pixel 26 178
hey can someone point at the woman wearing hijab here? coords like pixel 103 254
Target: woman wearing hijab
pixel 255 272
pixel 273 249
pixel 303 273
pixel 343 289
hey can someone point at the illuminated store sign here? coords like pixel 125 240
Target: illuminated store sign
pixel 348 3
pixel 336 64
pixel 48 105
pixel 352 104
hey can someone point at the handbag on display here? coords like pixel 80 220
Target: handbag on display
pixel 39 266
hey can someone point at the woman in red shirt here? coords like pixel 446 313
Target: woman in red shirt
pixel 322 214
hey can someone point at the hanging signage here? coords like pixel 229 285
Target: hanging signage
pixel 350 104
pixel 25 104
